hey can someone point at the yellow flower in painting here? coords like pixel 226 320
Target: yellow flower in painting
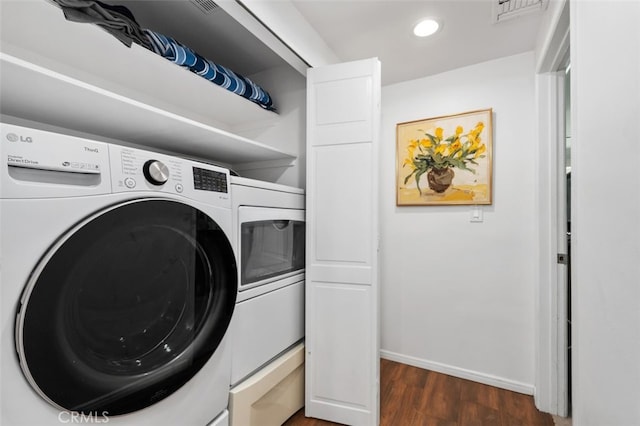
pixel 411 148
pixel 456 145
pixel 474 135
pixel 408 162
pixel 441 149
pixel 439 132
pixel 425 143
pixel 459 131
pixel 480 151
pixel 475 139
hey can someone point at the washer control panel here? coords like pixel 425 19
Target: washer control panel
pixel 135 169
pixel 36 164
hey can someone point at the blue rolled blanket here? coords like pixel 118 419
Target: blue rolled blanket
pixel 184 56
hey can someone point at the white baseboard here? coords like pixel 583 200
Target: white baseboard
pixel 487 379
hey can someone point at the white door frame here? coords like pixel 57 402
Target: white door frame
pixel 551 392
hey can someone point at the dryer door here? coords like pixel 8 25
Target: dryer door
pixel 127 307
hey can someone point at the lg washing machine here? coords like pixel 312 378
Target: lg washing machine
pixel 118 284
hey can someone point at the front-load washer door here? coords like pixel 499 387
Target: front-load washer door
pixel 126 307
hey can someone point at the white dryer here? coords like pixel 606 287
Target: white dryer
pixel 269 227
pixel 118 284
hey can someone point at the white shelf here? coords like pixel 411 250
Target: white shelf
pixel 79 77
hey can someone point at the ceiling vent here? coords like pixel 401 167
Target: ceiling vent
pixel 507 9
pixel 206 6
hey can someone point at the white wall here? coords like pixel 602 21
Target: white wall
pixel 458 297
pixel 287 133
pixel 605 67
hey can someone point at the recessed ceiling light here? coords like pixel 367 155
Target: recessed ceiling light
pixel 426 27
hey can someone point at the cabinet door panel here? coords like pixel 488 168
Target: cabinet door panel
pixel 341 195
pixel 342 339
pixel 343 113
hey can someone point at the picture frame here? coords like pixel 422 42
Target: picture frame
pixel 445 160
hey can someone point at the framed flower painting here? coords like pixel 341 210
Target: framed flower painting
pixel 445 160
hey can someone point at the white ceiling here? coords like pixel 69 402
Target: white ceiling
pixel 359 29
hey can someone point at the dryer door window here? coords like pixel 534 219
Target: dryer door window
pixel 271 244
pixel 270 248
pixel 127 308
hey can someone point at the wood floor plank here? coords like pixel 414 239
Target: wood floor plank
pixel 441 396
pixel 414 376
pixel 411 396
pixel 397 404
pixel 420 418
pixel 391 370
pixel 485 395
pixel 519 410
pixel 473 414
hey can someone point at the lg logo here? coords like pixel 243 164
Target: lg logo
pixel 12 137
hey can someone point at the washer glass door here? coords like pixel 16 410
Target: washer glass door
pixel 127 307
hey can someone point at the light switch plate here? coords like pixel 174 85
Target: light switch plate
pixel 476 214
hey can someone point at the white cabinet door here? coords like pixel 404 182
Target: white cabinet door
pixel 342 326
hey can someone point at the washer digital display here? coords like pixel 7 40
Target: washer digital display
pixel 209 180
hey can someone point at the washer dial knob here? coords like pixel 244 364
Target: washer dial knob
pixel 156 172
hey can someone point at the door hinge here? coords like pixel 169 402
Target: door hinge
pixel 562 259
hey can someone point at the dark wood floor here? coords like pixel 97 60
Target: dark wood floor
pixel 411 396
